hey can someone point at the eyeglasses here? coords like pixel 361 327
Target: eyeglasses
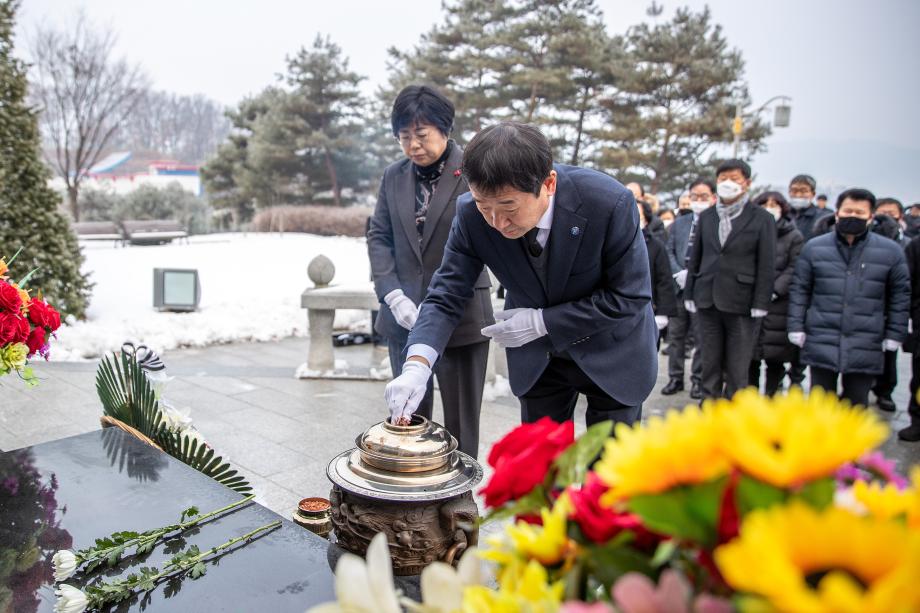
pixel 406 139
pixel 700 198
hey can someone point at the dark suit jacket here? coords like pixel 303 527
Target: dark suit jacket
pixel 598 304
pixel 678 237
pixel 738 276
pixel 664 297
pixel 398 261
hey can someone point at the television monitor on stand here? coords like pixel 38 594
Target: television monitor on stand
pixel 176 289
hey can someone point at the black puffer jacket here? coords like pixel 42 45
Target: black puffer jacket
pixel 774 345
pixel 848 299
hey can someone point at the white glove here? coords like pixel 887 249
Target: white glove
pixel 680 278
pixel 661 321
pixel 403 309
pixel 516 327
pixel 890 345
pixel 690 306
pixel 797 338
pixel 758 313
pixel 774 297
pixel 404 393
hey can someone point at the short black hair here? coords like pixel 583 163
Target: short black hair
pixel 646 210
pixel 859 194
pixel 889 200
pixel 704 181
pixel 508 154
pixel 417 104
pixel 762 199
pixel 734 165
pixel 806 179
pixel 665 210
pixel 821 197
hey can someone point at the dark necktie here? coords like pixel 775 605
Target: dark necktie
pixel 690 240
pixel 533 245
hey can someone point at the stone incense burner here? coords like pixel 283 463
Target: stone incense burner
pixel 411 483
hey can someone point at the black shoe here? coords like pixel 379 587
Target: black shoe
pixel 910 434
pixel 886 404
pixel 673 386
pixel 695 392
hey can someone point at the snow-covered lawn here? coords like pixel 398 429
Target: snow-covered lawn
pixel 250 290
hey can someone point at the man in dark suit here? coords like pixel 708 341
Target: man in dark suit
pixel 682 329
pixel 730 279
pixel 566 245
pixel 405 242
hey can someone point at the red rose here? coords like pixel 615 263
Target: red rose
pixel 522 458
pixel 13 328
pixel 10 300
pixel 36 340
pixel 599 523
pixel 43 314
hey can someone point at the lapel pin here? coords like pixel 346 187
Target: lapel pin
pixel 458 172
pixel 575 230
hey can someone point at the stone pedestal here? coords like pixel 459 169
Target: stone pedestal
pixel 419 533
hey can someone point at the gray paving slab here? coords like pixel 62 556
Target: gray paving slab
pixel 277 430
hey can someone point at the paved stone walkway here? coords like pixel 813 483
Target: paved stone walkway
pixel 279 431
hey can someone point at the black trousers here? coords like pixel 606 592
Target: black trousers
pixel 913 407
pixel 556 391
pixel 796 370
pixel 461 373
pixel 683 335
pixel 888 380
pixel 727 344
pixel 775 373
pixel 856 385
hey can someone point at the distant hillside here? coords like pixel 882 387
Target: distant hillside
pixel 886 170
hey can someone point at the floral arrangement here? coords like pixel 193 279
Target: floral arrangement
pixel 753 504
pixel 26 325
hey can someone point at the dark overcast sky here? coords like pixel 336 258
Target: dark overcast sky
pixel 851 67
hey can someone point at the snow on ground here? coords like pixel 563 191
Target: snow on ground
pixel 250 290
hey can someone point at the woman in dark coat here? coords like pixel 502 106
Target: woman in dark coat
pixel 773 346
pixel 664 297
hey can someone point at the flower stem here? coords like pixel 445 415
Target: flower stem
pixel 192 561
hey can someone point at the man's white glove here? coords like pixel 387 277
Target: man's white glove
pixel 680 278
pixel 797 338
pixel 404 393
pixel 516 327
pixel 661 321
pixel 690 306
pixel 890 345
pixel 403 309
pixel 758 313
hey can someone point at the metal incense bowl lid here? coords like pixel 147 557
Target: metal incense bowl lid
pixel 420 446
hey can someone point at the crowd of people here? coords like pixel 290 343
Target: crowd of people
pixel 764 286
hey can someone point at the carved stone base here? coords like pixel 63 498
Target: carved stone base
pixel 419 533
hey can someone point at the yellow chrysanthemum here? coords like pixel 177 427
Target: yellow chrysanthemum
pixel 523 588
pixel 548 544
pixel 883 502
pixel 3 267
pixel 23 295
pixel 680 449
pixel 802 559
pixel 792 439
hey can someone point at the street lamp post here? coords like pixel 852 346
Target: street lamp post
pixel 780 118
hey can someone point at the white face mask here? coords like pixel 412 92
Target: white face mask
pixel 667 222
pixel 728 190
pixel 699 207
pixel 799 203
pixel 777 213
pixel 642 224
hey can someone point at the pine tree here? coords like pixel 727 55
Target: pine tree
pixel 29 216
pixel 677 86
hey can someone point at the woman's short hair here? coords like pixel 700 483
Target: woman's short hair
pixel 417 104
pixel 776 197
pixel 508 154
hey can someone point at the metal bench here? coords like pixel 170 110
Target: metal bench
pixel 98 231
pixel 153 231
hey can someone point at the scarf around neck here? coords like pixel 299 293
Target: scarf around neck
pixel 726 214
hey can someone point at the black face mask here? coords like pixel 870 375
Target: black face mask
pixel 851 225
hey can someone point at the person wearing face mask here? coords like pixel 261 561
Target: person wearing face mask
pixel 802 200
pixel 912 221
pixel 773 347
pixel 894 210
pixel 682 329
pixel 565 243
pixel 667 218
pixel 850 300
pixel 664 300
pixel 730 280
pixel 405 244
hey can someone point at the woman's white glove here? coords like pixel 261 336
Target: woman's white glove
pixel 661 321
pixel 404 393
pixel 403 309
